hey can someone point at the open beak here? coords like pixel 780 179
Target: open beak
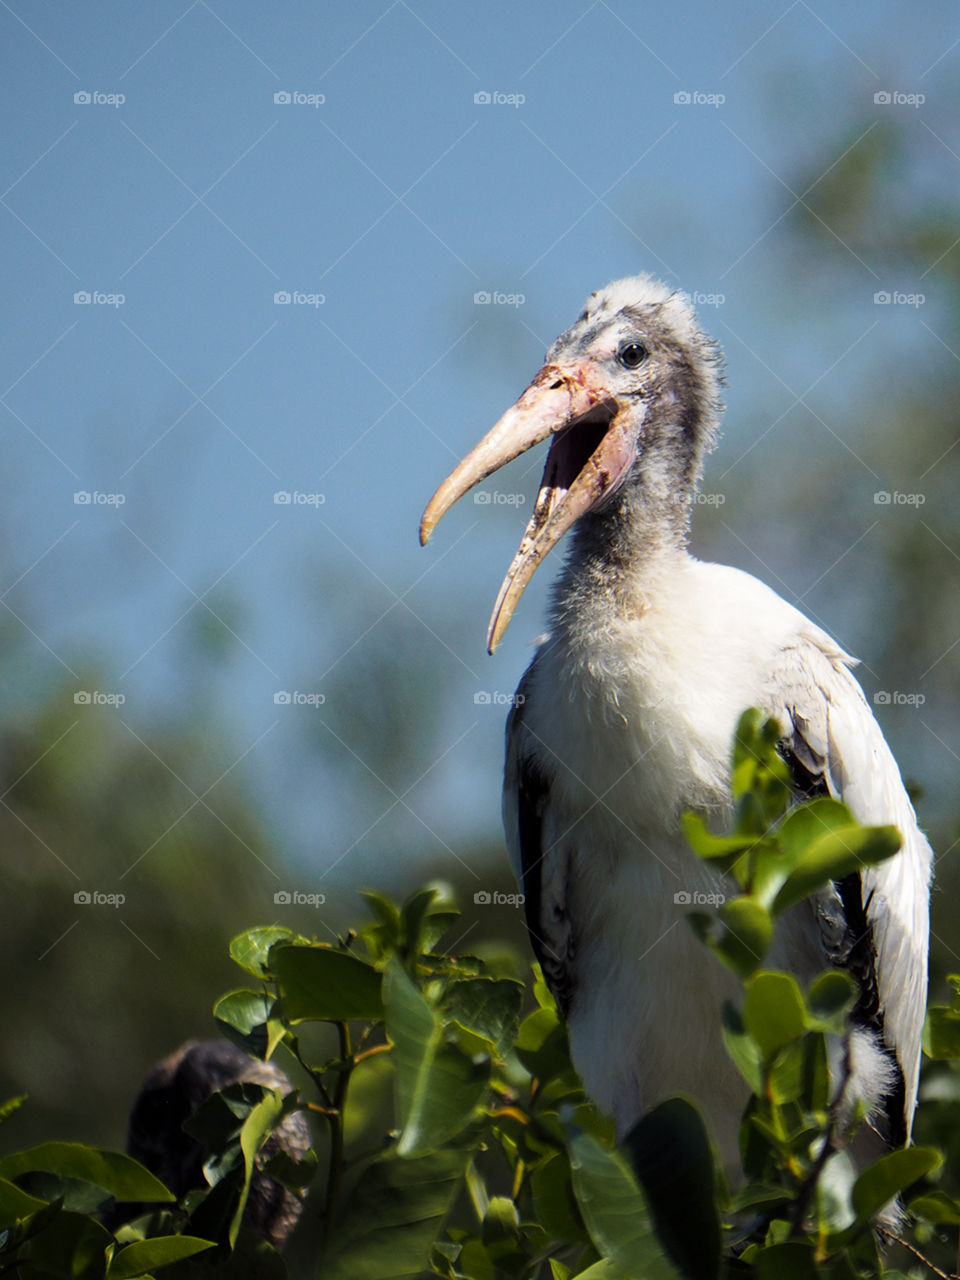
pixel 590 454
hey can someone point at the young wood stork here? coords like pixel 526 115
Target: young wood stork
pixel 625 719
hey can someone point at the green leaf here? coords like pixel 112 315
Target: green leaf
pixel 739 934
pixel 885 1179
pixel 792 1260
pixel 71 1245
pixel 773 1012
pixel 488 1007
pixel 941 1032
pixel 326 984
pixel 118 1174
pixel 475 1263
pixel 830 999
pixel 386 1228
pixel 603 1270
pixel 816 1072
pixel 555 1204
pixel 832 855
pixel 542 1045
pixel 936 1206
pixel 243 1016
pixel 787 1073
pixel 251 949
pixel 706 844
pixel 615 1211
pixel 150 1255
pixel 438 1088
pixel 742 1048
pixel 500 1222
pixel 671 1155
pixel 15 1203
pixel 257 1128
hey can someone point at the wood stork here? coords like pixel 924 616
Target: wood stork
pixel 625 717
pixel 172 1092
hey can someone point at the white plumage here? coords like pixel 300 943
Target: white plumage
pixel 626 721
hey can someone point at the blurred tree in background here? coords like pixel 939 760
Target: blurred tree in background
pixel 90 792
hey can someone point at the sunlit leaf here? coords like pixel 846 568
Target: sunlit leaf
pixel 118 1174
pixel 150 1255
pixel 615 1211
pixel 438 1087
pixel 326 984
pixel 773 1011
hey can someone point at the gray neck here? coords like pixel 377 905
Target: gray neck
pixel 618 553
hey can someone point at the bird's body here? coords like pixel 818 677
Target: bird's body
pixel 625 718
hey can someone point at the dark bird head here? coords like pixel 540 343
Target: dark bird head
pixel 169 1096
pixel 630 398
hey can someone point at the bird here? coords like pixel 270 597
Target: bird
pixel 624 720
pixel 174 1089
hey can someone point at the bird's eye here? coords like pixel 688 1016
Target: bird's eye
pixel 631 355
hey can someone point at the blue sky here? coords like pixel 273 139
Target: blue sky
pixel 382 197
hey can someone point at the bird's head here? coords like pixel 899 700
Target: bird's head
pixel 631 398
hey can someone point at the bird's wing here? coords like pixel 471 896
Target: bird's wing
pixel 539 859
pixel 833 740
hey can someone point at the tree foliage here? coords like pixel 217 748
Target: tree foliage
pixel 453 1134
